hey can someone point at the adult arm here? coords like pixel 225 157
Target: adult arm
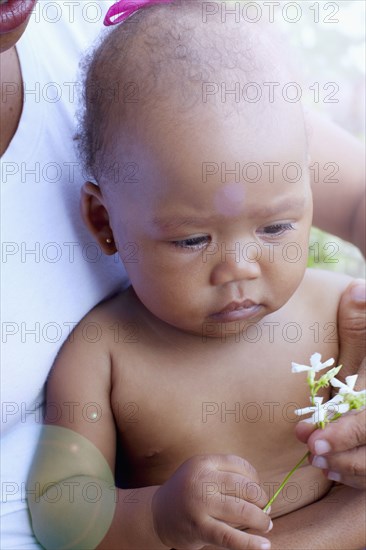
pixel 337 162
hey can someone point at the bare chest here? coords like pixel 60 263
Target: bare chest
pixel 170 408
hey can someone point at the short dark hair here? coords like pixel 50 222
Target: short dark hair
pixel 149 53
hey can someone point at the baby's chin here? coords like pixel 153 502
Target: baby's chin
pixel 226 329
pixel 220 326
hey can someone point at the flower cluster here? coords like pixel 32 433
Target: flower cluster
pixel 322 413
pixel 345 400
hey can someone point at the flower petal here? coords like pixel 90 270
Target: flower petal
pixel 306 410
pixel 337 383
pixel 343 408
pixel 333 408
pixel 328 363
pixel 315 360
pixel 319 415
pixel 339 398
pixel 309 420
pixel 351 381
pixel 318 401
pixel 299 368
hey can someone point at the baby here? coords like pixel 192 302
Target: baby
pixel 203 190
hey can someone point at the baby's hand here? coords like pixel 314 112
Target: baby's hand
pixel 205 502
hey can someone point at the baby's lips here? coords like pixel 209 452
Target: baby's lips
pixel 246 304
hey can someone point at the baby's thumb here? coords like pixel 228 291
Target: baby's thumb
pixel 352 331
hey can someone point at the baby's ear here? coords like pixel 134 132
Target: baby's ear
pixel 96 217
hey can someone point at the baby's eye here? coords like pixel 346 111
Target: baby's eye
pixel 276 229
pixel 193 243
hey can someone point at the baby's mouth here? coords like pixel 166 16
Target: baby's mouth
pixel 237 306
pixel 237 311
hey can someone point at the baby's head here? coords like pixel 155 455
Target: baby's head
pixel 201 161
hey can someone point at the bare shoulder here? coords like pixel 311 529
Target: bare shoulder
pixel 315 305
pixel 97 330
pixel 88 350
pixel 86 354
pixel 318 299
pixel 80 382
pixel 335 280
pixel 323 289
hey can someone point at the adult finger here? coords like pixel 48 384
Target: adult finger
pixel 348 467
pixel 344 434
pixel 352 329
pixel 303 431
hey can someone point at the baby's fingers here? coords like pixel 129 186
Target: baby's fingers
pixel 242 488
pixel 240 513
pixel 223 536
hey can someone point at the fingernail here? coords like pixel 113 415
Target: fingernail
pixel 334 476
pixel 321 447
pixel 265 546
pixel 320 462
pixel 270 527
pixel 358 292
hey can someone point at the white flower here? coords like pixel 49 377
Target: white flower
pixel 336 405
pixel 323 412
pixel 319 411
pixel 351 398
pixel 347 388
pixel 315 362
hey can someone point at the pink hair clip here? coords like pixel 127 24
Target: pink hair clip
pixel 123 9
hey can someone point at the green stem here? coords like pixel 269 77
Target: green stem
pixel 269 503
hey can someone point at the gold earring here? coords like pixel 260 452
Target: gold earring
pixel 108 240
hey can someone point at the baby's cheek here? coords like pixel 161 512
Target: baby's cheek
pixel 285 280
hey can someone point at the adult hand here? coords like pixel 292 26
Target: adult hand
pixel 340 449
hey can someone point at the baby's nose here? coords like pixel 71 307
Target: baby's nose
pixel 235 264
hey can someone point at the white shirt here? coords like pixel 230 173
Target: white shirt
pixel 53 272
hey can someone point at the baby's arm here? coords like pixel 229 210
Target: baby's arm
pixel 336 521
pixel 72 497
pixel 76 455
